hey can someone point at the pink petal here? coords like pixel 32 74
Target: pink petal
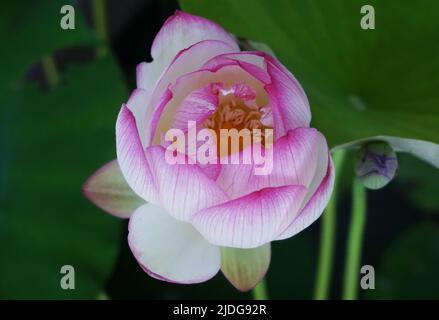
pixel 294 163
pixel 170 250
pixel 131 157
pixel 184 189
pixel 183 30
pixel 179 32
pixel 197 106
pixel 155 119
pixel 211 170
pixel 288 101
pixel 252 220
pixel 248 61
pixel 183 45
pixel 243 91
pixel 244 268
pixel 108 190
pixel 188 83
pixel 186 61
pixel 318 200
pixel 137 104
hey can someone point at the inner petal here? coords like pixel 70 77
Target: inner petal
pixel 227 75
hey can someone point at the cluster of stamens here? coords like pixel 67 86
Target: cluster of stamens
pixel 235 113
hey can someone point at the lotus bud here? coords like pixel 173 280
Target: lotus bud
pixel 376 164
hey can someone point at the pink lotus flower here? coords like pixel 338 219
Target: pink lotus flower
pixel 189 221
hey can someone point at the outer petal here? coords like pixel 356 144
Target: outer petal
pixel 108 190
pixel 138 105
pixel 244 268
pixel 131 157
pixel 295 158
pixel 287 99
pixel 183 45
pixel 181 31
pixel 184 189
pixel 186 61
pixel 252 220
pixel 170 250
pixel 314 206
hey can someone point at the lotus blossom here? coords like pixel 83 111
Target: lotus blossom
pixel 188 221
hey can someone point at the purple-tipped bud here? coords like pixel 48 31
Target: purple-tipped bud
pixel 376 164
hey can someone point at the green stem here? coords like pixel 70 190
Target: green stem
pixel 100 23
pixel 50 71
pixel 353 257
pixel 260 291
pixel 327 236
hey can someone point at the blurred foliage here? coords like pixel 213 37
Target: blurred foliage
pixel 50 143
pixel 360 83
pixel 409 266
pixel 421 182
pixel 33 31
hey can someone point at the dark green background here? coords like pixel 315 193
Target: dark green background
pixel 51 140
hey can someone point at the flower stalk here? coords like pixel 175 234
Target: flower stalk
pixel 355 239
pixel 260 291
pixel 327 236
pixel 99 7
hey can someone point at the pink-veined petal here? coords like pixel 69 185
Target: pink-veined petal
pixel 186 61
pixel 196 150
pixel 244 268
pixel 211 170
pixel 108 190
pixel 317 201
pixel 131 157
pixel 248 61
pixel 171 250
pixel 195 109
pixel 137 103
pixel 293 162
pixel 183 45
pixel 181 31
pixel 252 220
pixel 184 189
pixel 197 106
pixel 227 75
pixel 288 101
